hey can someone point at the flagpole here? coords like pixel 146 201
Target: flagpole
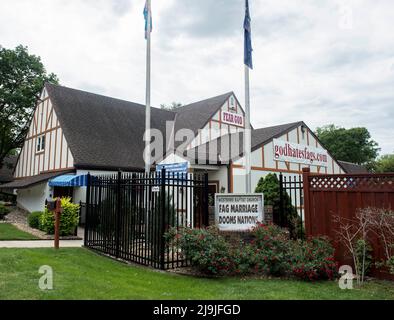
pixel 248 140
pixel 148 89
pixel 248 65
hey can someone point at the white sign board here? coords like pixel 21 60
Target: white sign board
pixel 297 153
pixel 238 212
pixel 234 119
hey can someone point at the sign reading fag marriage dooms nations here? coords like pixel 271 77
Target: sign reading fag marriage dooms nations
pixel 238 212
pixel 297 153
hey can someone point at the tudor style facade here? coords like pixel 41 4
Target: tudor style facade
pixel 220 123
pixel 73 133
pixel 264 162
pixel 45 148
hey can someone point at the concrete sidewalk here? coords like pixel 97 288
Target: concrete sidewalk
pixel 41 244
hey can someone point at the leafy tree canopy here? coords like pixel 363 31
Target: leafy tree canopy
pixel 22 78
pixel 172 106
pixel 353 145
pixel 384 164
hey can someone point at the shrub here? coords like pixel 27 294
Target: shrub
pixel 271 252
pixel 3 211
pixel 314 260
pixel 68 219
pixel 207 250
pixel 270 186
pixel 390 264
pixel 244 259
pixel 364 256
pixel 33 219
pixel 271 246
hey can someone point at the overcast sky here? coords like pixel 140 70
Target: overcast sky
pixel 325 61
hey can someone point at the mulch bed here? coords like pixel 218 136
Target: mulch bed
pixel 18 218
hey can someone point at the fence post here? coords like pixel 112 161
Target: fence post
pixel 87 201
pixel 118 213
pixel 206 201
pixel 162 218
pixel 57 212
pixel 307 212
pixel 281 205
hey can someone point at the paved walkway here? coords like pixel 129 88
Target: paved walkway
pixel 41 244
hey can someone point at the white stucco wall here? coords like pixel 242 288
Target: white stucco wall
pixel 33 198
pixel 221 175
pixel 216 127
pixel 298 137
pixel 80 193
pixel 239 178
pixel 174 158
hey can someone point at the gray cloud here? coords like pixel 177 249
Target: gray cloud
pixel 121 7
pixel 307 67
pixel 203 18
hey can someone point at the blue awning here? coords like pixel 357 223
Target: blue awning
pixel 69 180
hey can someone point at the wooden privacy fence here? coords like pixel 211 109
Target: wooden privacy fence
pixel 327 196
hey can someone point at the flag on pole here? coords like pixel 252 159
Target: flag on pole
pixel 147 12
pixel 248 38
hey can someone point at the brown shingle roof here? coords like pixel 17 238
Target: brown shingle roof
pixel 30 181
pixel 234 142
pixel 104 132
pixel 352 167
pixel 107 133
pixel 196 115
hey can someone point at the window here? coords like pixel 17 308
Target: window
pixel 41 143
pixel 232 104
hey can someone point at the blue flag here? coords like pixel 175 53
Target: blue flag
pixel 248 38
pixel 147 10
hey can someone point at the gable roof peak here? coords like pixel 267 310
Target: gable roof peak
pixel 212 100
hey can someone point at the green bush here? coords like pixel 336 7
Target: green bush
pixel 3 211
pixel 207 250
pixel 270 252
pixel 272 249
pixel 313 260
pixel 244 258
pixel 33 219
pixel 270 187
pixel 390 264
pixel 68 220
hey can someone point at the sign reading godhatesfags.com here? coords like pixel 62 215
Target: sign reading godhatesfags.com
pixel 238 212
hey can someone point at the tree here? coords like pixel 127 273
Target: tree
pixel 172 106
pixel 353 145
pixel 269 186
pixel 22 78
pixel 384 164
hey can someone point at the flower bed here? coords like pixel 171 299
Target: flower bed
pixel 270 252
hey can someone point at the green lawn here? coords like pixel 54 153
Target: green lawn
pixel 81 274
pixel 10 232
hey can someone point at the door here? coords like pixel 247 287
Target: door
pixel 63 192
pixel 213 188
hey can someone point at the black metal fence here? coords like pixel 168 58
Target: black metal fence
pixel 82 213
pixel 128 214
pixel 291 195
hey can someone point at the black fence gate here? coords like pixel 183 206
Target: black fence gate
pixel 291 194
pixel 128 214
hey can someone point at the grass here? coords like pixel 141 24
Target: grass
pixel 82 274
pixel 10 232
